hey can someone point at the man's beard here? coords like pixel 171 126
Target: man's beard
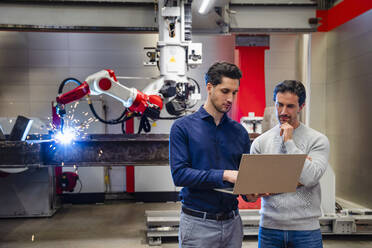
pixel 287 120
pixel 220 109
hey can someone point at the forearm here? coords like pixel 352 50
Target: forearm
pixel 184 176
pixel 312 172
pixel 230 176
pixel 315 164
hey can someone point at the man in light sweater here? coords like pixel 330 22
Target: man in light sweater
pixel 291 219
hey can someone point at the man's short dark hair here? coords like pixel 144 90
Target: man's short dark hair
pixel 293 86
pixel 222 69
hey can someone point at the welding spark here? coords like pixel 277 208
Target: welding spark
pixel 73 128
pixel 66 137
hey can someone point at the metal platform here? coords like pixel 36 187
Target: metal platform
pixel 29 194
pixel 164 224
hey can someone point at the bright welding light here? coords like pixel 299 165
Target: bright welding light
pixel 66 137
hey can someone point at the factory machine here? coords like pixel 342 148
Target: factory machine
pixel 173 91
pixel 174 55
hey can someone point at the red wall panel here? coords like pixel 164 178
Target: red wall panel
pixel 342 13
pixel 251 96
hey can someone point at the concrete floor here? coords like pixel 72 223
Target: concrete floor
pixel 116 224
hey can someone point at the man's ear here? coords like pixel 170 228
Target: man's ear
pixel 301 107
pixel 209 87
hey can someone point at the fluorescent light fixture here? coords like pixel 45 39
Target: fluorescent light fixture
pixel 204 6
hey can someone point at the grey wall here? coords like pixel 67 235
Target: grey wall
pixel 348 109
pixel 318 81
pixel 280 62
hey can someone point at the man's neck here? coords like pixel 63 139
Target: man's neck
pixel 296 124
pixel 217 116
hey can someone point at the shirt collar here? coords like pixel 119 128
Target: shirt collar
pixel 203 114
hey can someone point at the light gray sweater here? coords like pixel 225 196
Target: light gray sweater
pixel 299 210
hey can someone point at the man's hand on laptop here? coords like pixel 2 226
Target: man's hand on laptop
pixel 251 197
pixel 230 175
pixel 254 197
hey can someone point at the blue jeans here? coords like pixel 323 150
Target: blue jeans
pixel 272 238
pixel 204 233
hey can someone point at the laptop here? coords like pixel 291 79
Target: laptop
pixel 267 173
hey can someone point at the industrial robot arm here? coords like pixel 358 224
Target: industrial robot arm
pixel 105 82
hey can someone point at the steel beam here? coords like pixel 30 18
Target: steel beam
pixel 18 154
pixel 98 150
pixel 95 150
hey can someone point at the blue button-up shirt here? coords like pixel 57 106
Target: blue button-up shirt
pixel 200 151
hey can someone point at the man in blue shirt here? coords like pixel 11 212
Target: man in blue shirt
pixel 205 152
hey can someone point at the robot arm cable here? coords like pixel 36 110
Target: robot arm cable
pixel 67 80
pixel 118 120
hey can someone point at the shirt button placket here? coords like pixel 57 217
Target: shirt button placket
pixel 216 144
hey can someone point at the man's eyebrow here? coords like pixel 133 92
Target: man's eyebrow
pixel 289 104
